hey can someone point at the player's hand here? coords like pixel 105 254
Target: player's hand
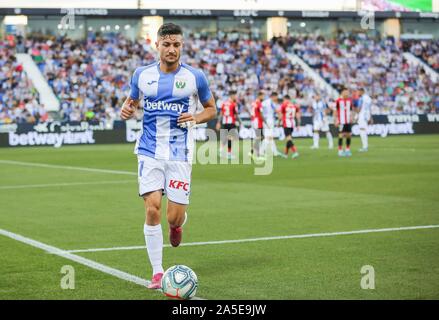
pixel 127 111
pixel 186 120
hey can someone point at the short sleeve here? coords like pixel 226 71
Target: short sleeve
pixel 134 85
pixel 203 87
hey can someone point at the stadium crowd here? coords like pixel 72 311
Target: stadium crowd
pixel 91 77
pixel 19 100
pixel 356 61
pixel 249 66
pixel 426 50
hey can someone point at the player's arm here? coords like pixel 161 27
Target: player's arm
pixel 129 107
pixel 355 113
pixel 299 116
pixel 220 118
pixel 262 115
pixel 335 115
pixel 279 112
pixel 132 102
pixel 237 115
pixel 209 112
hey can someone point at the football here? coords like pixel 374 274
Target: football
pixel 179 282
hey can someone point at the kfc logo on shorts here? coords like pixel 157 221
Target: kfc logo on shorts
pixel 175 184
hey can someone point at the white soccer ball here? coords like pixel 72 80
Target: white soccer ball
pixel 179 282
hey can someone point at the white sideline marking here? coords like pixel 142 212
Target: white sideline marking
pixel 68 184
pixel 312 235
pixel 86 262
pixel 44 165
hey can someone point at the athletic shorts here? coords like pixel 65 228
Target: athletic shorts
pixel 170 176
pixel 229 126
pixel 345 128
pixel 321 126
pixel 288 132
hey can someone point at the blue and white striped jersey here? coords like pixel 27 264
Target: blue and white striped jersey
pixel 166 96
pixel 365 104
pixel 269 110
pixel 319 108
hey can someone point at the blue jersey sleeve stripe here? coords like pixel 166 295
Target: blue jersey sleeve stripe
pixel 134 84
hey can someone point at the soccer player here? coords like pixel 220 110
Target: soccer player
pixel 269 107
pixel 343 121
pixel 320 122
pixel 227 120
pixel 170 90
pixel 364 117
pixel 289 113
pixel 257 120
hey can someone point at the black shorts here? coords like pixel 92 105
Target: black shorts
pixel 228 126
pixel 288 131
pixel 345 128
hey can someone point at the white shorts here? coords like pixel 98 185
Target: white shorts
pixel 321 126
pixel 170 176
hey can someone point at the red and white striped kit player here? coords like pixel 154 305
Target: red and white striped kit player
pixel 289 111
pixel 344 109
pixel 256 114
pixel 229 110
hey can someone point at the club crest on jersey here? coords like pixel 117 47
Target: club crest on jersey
pixel 180 84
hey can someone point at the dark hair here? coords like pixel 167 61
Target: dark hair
pixel 287 97
pixel 274 94
pixel 168 29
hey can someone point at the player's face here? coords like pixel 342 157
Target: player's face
pixel 345 94
pixel 169 48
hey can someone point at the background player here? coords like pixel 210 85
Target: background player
pixel 364 117
pixel 257 120
pixel 288 114
pixel 164 149
pixel 269 107
pixel 320 122
pixel 343 121
pixel 227 120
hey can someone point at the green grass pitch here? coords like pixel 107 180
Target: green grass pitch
pixel 394 185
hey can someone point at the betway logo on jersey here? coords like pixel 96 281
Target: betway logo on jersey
pixel 175 184
pixel 164 106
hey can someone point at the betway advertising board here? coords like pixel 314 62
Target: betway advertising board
pixel 58 134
